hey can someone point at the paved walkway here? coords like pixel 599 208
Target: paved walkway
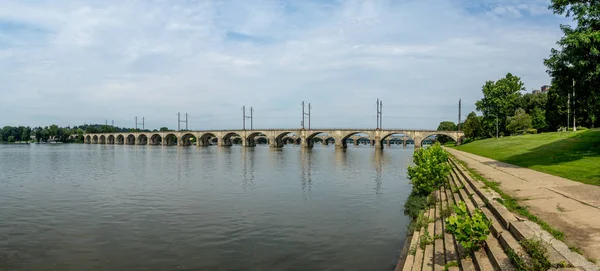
pixel 571 207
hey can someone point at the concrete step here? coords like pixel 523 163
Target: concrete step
pixel 496 253
pixel 520 229
pixel 440 252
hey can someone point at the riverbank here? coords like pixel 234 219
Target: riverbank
pixel 571 155
pixel 568 210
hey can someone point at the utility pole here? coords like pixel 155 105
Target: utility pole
pixel 244 117
pixel 304 114
pixel 136 123
pixel 496 126
pixel 379 114
pixel 251 118
pixel 377 103
pixel 459 108
pixel 574 126
pixel 179 121
pixel 308 116
pixel 113 123
pixel 568 110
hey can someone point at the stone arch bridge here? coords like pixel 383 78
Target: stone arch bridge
pixel 276 138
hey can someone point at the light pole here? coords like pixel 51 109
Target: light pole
pixel 574 126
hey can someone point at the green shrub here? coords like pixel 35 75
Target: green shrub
pixel 470 231
pixel 431 169
pixel 532 131
pixel 415 204
pixel 579 128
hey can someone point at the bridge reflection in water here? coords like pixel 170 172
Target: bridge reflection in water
pixel 276 138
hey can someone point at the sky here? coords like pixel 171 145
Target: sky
pixel 75 62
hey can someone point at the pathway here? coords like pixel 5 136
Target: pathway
pixel 571 207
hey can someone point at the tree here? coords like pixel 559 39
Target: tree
pixel 575 65
pixel 472 126
pixel 538 119
pixel 500 100
pixel 163 129
pixel 26 134
pixel 11 139
pixel 446 126
pixel 520 122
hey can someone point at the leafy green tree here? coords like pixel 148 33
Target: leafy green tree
pixel 538 119
pixel 446 126
pixel 163 129
pixel 520 122
pixel 26 134
pixel 472 126
pixel 575 65
pixel 11 139
pixel 500 99
pixel 430 171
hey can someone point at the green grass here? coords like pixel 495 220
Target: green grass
pixel 572 155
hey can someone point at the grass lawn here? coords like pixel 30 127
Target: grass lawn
pixel 572 155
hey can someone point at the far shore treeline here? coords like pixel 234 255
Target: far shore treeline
pixel 54 133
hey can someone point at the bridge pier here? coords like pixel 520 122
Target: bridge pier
pixel 378 143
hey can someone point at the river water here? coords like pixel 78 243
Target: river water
pixel 115 207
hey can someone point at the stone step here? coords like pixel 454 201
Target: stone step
pixel 410 258
pixel 495 252
pixel 440 253
pixel 428 256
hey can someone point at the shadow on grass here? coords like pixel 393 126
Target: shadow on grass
pixel 583 149
pixel 574 148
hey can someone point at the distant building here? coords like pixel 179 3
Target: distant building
pixel 544 89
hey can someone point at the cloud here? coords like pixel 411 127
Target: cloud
pixel 73 62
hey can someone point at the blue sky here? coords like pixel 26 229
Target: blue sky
pixel 74 62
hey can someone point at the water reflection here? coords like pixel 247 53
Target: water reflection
pixel 95 207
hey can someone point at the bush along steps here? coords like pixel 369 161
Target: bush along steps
pixel 455 228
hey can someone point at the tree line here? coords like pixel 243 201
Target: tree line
pixel 574 94
pixel 59 134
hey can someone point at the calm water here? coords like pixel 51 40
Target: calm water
pixel 105 207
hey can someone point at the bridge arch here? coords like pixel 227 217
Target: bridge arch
pixel 88 139
pixel 130 139
pixel 110 139
pixel 398 134
pixel 261 140
pixel 329 140
pixel 278 141
pixel 170 140
pixel 188 139
pixel 155 139
pixel 142 139
pixel 207 139
pixel 95 139
pixel 102 139
pixel 231 138
pixel 345 137
pixel 317 136
pixel 120 139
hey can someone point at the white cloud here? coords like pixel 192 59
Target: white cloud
pixel 71 62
